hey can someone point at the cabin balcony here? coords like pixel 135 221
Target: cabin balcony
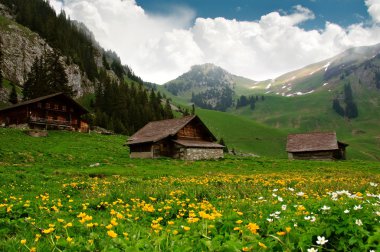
pixel 50 122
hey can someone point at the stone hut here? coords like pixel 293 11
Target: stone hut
pixel 55 111
pixel 317 146
pixel 185 138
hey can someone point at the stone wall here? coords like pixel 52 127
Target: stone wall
pixel 201 154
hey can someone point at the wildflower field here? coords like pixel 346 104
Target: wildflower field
pixel 51 203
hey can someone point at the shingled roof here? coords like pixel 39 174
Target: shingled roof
pixel 44 98
pixel 319 141
pixel 158 130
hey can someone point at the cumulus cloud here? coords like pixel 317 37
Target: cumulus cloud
pixel 374 9
pixel 159 48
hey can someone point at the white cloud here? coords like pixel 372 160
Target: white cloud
pixel 160 48
pixel 374 9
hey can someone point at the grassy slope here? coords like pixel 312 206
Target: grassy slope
pixel 291 114
pixel 278 116
pixel 73 154
pixel 244 134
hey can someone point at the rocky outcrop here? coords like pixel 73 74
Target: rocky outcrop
pixel 20 47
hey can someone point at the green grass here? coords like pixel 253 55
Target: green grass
pixel 244 134
pixel 53 198
pixel 291 115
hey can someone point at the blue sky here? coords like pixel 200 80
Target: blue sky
pixel 257 39
pixel 342 12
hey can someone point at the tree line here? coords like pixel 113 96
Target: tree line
pixel 65 36
pixel 216 99
pixel 349 109
pixel 251 100
pixel 126 107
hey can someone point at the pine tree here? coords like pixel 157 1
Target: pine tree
pixel 1 63
pixel 252 103
pixel 105 63
pixel 221 142
pixel 47 76
pixel 56 76
pixel 13 95
pixel 337 107
pixel 351 110
pixel 193 109
pixel 168 110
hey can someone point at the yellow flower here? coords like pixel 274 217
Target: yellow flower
pixel 239 213
pixel 111 234
pixel 57 237
pixel 48 231
pixel 114 222
pixel 90 225
pixel 262 245
pixel 23 242
pixel 170 222
pixel 69 239
pixel 109 226
pixel 239 222
pixel 281 233
pixel 236 228
pixel 33 249
pixel 253 227
pixel 61 220
pixel 38 236
pixel 186 228
pixel 125 235
pixel 288 229
pixel 175 232
pixel 245 249
pixel 119 216
pixel 90 242
pixel 68 225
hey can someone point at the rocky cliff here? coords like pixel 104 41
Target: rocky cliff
pixel 20 47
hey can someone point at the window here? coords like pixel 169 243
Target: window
pixel 56 106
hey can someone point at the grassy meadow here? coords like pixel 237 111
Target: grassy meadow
pixel 81 192
pixel 292 116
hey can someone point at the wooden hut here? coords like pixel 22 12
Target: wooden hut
pixel 185 138
pixel 318 146
pixel 55 111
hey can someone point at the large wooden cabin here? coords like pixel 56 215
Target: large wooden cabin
pixel 318 146
pixel 185 138
pixel 55 111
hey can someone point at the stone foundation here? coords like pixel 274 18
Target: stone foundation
pixel 202 154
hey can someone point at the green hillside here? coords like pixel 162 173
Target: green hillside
pixel 244 134
pixel 314 112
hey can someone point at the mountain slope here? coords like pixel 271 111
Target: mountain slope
pixel 208 86
pixel 301 101
pixel 327 74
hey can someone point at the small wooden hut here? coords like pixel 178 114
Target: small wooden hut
pixel 185 138
pixel 55 111
pixel 318 146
